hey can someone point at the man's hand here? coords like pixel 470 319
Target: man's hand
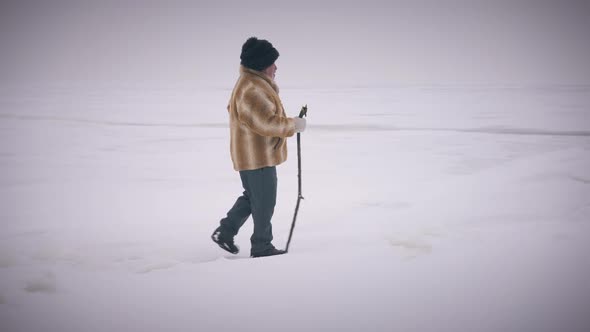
pixel 300 124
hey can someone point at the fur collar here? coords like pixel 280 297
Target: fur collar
pixel 248 71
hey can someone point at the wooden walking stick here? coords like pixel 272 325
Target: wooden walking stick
pixel 302 113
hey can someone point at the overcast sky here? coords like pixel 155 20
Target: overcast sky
pixel 330 43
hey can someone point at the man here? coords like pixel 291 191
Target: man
pixel 258 131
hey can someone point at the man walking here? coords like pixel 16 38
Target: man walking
pixel 258 131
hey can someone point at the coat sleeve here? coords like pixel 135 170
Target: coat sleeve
pixel 258 112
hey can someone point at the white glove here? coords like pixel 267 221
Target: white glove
pixel 300 124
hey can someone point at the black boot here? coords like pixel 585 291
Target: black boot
pixel 269 252
pixel 226 243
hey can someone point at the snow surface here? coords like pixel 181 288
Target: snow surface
pixel 427 208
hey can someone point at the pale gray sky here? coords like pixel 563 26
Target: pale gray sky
pixel 325 43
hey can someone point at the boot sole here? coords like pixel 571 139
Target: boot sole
pixel 258 256
pixel 223 245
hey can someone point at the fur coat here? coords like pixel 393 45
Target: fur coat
pixel 258 123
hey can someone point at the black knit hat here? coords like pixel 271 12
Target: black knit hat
pixel 258 54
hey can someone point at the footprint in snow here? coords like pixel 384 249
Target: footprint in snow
pixel 155 267
pixel 413 248
pixel 43 284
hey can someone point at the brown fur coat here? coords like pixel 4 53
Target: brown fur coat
pixel 258 123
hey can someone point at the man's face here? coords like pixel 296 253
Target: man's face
pixel 271 71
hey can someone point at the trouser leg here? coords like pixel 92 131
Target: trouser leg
pixel 237 215
pixel 261 185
